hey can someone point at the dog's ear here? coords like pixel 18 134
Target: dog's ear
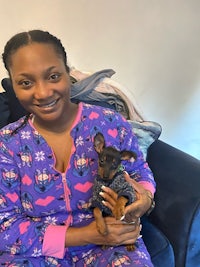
pixel 99 142
pixel 126 155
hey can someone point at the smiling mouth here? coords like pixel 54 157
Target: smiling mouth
pixel 49 105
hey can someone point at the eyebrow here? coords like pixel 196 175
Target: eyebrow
pixel 47 71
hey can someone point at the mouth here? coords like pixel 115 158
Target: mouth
pixel 47 105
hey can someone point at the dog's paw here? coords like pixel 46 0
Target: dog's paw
pixel 130 247
pixel 102 229
pixel 118 212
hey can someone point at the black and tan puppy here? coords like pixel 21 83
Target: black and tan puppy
pixel 110 174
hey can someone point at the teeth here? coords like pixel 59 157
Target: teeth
pixel 49 105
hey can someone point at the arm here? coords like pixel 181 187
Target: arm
pixel 139 169
pixel 18 230
pixel 141 176
pixel 118 233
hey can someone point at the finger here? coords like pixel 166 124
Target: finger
pixel 109 192
pixel 132 207
pixel 110 197
pixel 130 218
pixel 133 211
pixel 108 205
pixel 138 187
pixel 108 201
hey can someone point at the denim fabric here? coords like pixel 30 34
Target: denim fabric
pixel 193 244
pixel 157 244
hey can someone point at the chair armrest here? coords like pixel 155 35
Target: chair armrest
pixel 4 110
pixel 15 109
pixel 177 211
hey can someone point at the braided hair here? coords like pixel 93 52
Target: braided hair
pixel 35 36
pixel 25 38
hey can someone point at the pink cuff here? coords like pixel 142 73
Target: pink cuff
pixel 148 186
pixel 54 241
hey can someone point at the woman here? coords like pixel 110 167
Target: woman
pixel 48 165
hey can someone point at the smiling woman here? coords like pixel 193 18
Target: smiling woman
pixel 42 85
pixel 48 165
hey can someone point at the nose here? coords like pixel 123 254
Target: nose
pixel 41 90
pixel 106 173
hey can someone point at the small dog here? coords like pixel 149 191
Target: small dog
pixel 110 174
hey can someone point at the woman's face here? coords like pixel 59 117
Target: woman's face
pixel 40 81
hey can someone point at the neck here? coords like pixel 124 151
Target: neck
pixel 61 125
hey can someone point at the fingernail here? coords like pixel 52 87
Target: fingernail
pixel 101 194
pixel 121 219
pixel 103 202
pixel 140 227
pixel 140 236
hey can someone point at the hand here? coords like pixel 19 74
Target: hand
pixel 135 210
pixel 141 205
pixel 121 233
pixel 118 233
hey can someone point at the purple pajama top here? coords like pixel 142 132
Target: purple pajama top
pixel 38 203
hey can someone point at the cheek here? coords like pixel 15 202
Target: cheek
pixel 66 84
pixel 66 90
pixel 21 95
pixel 25 101
pixel 23 98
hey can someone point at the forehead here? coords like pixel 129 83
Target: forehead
pixel 34 49
pixel 34 55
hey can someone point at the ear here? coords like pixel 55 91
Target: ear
pixel 126 155
pixel 99 142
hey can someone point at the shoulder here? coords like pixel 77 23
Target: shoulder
pixel 105 113
pixel 6 132
pixel 107 121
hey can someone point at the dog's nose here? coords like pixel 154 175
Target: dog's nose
pixel 106 175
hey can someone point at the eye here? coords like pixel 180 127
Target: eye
pixel 55 77
pixel 101 161
pixel 25 84
pixel 114 164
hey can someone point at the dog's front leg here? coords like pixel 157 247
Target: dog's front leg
pixel 118 211
pixel 101 225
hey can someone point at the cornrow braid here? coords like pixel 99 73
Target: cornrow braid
pixel 25 38
pixel 25 121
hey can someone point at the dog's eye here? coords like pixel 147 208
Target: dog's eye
pixel 101 161
pixel 115 165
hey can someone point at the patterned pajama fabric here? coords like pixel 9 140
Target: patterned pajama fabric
pixel 34 195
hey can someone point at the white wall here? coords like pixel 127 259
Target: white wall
pixel 153 45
